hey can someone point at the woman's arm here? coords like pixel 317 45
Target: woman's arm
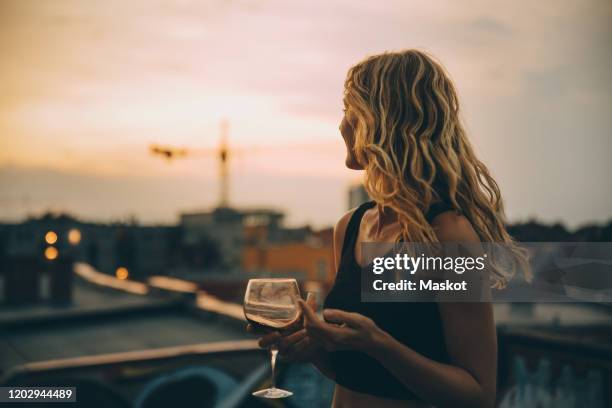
pixel 469 380
pixel 469 330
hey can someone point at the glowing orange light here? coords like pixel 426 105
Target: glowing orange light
pixel 122 273
pixel 51 237
pixel 74 236
pixel 51 253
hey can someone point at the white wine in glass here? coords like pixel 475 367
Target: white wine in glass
pixel 272 304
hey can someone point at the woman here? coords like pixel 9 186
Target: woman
pixel 401 125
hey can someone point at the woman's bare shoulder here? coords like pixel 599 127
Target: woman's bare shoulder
pixel 340 227
pixel 339 233
pixel 453 227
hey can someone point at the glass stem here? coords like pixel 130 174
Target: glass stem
pixel 273 355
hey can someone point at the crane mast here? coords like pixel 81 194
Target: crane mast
pixel 223 167
pixel 222 153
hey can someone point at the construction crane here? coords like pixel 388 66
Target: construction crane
pixel 222 152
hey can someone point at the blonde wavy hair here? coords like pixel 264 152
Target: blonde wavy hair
pixel 415 151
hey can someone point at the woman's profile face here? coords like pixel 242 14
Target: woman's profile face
pixel 348 134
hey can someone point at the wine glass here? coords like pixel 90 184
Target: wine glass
pixel 272 304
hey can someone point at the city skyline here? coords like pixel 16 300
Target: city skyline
pixel 88 86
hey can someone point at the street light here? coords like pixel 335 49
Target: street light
pixel 74 236
pixel 50 237
pixel 51 253
pixel 122 273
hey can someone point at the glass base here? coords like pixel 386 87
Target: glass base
pixel 272 393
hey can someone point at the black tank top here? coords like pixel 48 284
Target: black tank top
pixel 417 325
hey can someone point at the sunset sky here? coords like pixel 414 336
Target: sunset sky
pixel 86 86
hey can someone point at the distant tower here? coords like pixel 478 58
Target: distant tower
pixel 224 166
pixel 357 195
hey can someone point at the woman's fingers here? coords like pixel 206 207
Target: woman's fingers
pixel 341 317
pixel 297 351
pixel 287 341
pixel 269 339
pixel 331 336
pixel 301 346
pixel 311 300
pixel 310 317
pixel 314 325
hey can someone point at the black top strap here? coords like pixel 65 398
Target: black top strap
pixel 436 209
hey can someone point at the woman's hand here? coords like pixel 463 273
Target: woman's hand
pixel 294 344
pixel 299 347
pixel 341 330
